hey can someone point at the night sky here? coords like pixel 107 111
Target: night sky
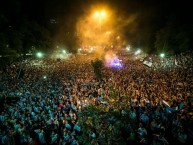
pixel 43 10
pixel 148 15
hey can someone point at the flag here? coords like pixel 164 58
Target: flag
pixel 147 63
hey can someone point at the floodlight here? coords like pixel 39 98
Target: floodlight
pixel 39 55
pixel 162 55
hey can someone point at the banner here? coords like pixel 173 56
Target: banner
pixel 148 63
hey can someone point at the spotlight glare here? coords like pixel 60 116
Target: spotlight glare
pixel 128 48
pixel 162 55
pixel 138 52
pixel 39 55
pixel 103 13
pixel 64 51
pixel 97 13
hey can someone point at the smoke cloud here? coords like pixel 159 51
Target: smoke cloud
pixel 106 31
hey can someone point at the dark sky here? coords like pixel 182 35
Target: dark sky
pixel 71 7
pixel 42 10
pixel 151 15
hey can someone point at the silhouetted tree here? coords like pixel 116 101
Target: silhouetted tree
pixel 97 66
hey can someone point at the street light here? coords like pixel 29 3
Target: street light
pixel 162 55
pixel 128 48
pixel 103 13
pixel 137 52
pixel 96 14
pixel 39 55
pixel 64 51
pixel 100 15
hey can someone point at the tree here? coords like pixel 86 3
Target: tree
pixel 3 43
pixel 33 35
pixel 97 66
pixel 175 37
pixel 7 54
pixel 183 38
pixel 163 39
pixel 110 122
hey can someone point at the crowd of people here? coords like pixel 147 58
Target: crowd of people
pixel 52 93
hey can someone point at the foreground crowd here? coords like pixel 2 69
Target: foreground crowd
pixel 53 93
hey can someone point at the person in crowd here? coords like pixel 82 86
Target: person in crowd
pixel 51 96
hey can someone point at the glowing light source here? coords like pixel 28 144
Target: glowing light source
pixel 64 51
pixel 112 61
pixel 39 55
pixel 162 55
pixel 96 14
pixel 91 49
pixel 128 48
pixel 108 33
pixel 116 63
pixel 103 13
pixel 100 13
pixel 138 52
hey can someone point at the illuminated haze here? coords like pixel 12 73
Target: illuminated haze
pixel 106 31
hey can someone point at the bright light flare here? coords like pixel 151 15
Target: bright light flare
pixel 64 51
pixel 112 61
pixel 128 48
pixel 39 55
pixel 103 13
pixel 100 13
pixel 97 13
pixel 138 52
pixel 108 33
pixel 79 50
pixel 116 63
pixel 162 55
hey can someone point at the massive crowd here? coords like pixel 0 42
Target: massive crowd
pixel 52 93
